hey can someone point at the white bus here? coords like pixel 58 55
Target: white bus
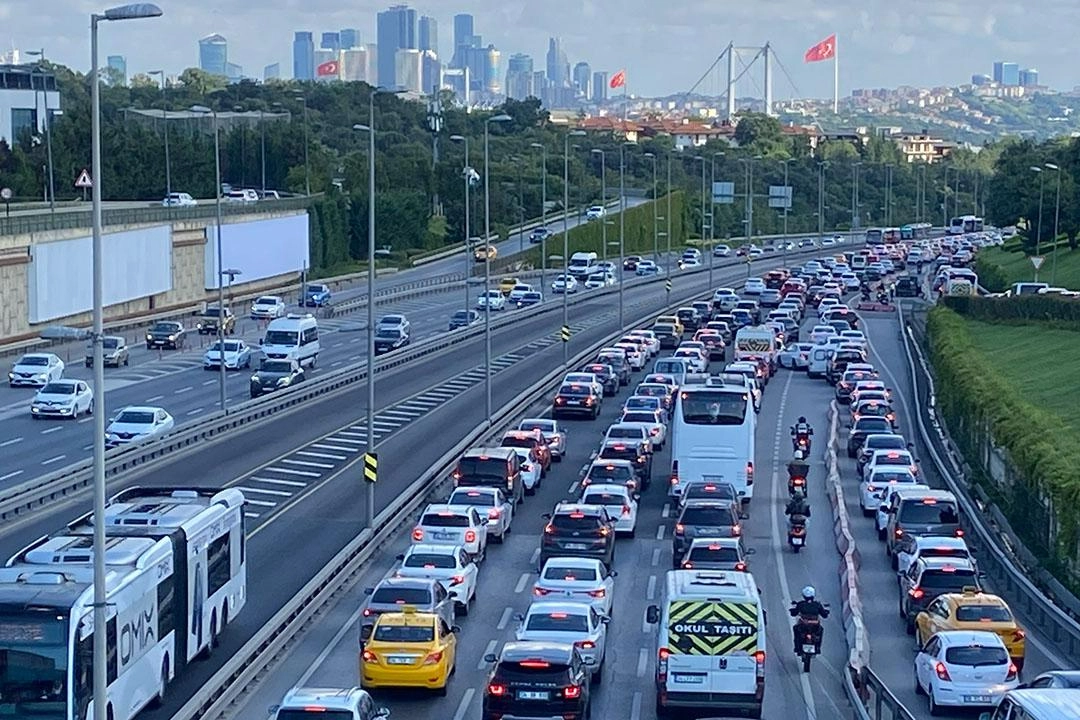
pixel 965 224
pixel 176 576
pixel 712 438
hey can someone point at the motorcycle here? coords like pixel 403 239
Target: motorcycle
pixel 801 442
pixel 810 633
pixel 796 482
pixel 796 534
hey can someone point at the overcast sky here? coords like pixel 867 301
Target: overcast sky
pixel 664 46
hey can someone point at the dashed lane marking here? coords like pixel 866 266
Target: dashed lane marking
pixel 58 428
pixel 308 463
pixel 522 582
pixel 505 619
pixel 325 456
pixel 341 447
pixel 278 493
pixel 12 441
pixel 290 471
pixel 274 481
pixel 182 390
pixel 10 475
pixel 260 503
pixel 52 460
pixel 466 700
pixel 492 644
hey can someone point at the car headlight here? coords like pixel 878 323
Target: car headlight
pixel 172 338
pixel 43 376
pixel 149 337
pixel 254 378
pixel 282 382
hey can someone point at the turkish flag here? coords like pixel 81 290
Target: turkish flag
pixel 824 50
pixel 328 68
pixel 618 80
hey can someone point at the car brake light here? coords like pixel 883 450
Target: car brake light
pixel 585 644
pixel 959 532
pixel 470 536
pixel 688 565
pixel 536 664
pixel 625 510
pixel 740 566
pixel 496 689
pixel 1013 670
pixel 598 593
pixel 674 472
pixel 736 530
pixel 1018 635
pixel 899 533
pixel 456 474
pixel 577 515
pixel 433 658
pixel 370 657
pixel 942 672
pixel 494 513
pixel 679 529
pixel 759 657
pixel 540 592
pixel 571 692
pixel 916 593
pixel 457 579
pixel 367 612
pixel 418 534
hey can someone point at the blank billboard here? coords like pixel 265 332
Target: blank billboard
pixel 260 249
pixel 135 264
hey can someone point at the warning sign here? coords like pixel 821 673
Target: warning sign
pixel 84 181
pixel 1037 261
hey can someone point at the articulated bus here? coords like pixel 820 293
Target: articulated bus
pixel 712 438
pixel 915 231
pixel 965 224
pixel 176 575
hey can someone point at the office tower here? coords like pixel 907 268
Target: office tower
pixel 558 67
pixel 519 76
pixel 331 41
pixel 540 89
pixel 432 72
pixel 409 69
pixel 492 81
pixel 1029 77
pixel 303 64
pixel 599 86
pixel 214 55
pixel 1006 73
pixel 428 34
pixel 980 79
pixel 483 65
pixel 325 56
pixel 997 71
pixel 354 64
pixel 463 38
pixel 396 31
pixel 118 65
pixel 582 77
pixel 272 72
pixel 234 72
pixel 456 80
pixel 349 38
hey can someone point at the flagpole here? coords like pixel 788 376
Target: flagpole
pixel 836 79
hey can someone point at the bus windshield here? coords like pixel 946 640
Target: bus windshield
pixel 874 236
pixel 713 408
pixel 33 664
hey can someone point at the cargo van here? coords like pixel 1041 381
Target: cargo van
pixel 819 360
pixel 757 341
pixel 677 368
pixel 581 264
pixel 293 337
pixel 710 649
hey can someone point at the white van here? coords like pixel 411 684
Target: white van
pixel 293 337
pixel 677 368
pixel 710 650
pixel 819 360
pixel 582 264
pixel 757 341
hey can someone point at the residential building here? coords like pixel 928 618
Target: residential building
pixel 396 30
pixel 331 41
pixel 428 34
pixel 1006 73
pixel 356 65
pixel 519 76
pixel 463 38
pixel 214 55
pixel 272 72
pixel 234 72
pixel 558 67
pixel 349 38
pixel 118 65
pixel 303 56
pixel 1029 77
pixel 582 78
pixel 21 87
pixel 599 86
pixel 923 148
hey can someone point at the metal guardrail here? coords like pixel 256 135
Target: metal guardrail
pixel 1056 625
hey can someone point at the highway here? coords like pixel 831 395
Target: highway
pixel 176 381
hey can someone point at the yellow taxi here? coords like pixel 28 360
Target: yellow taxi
pixel 409 649
pixel 485 252
pixel 507 284
pixel 671 320
pixel 972 610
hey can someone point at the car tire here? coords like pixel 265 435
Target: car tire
pixel 90 408
pixel 932 706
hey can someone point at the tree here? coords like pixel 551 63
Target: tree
pixel 200 82
pixel 142 80
pixel 758 131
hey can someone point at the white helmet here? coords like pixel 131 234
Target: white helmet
pixel 798 454
pixel 808 592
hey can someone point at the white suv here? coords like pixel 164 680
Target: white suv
pixel 338 703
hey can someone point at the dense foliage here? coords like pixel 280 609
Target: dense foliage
pixel 1060 312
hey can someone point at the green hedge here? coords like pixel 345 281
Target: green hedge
pixel 1054 310
pixel 972 396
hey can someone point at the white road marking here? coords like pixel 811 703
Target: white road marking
pixel 339 448
pixel 384 425
pixel 505 619
pixel 277 493
pixel 535 557
pixel 650 591
pixel 52 460
pixel 492 644
pixel 57 428
pixel 655 557
pixel 10 475
pixel 85 420
pixel 308 463
pixel 196 411
pixel 573 488
pixel 154 399
pixel 398 415
pixel 666 512
pixel 262 503
pixel 189 388
pixel 12 441
pixel 210 382
pixel 336 363
pixel 290 471
pixel 251 515
pixel 273 481
pixel 635 707
pixel 466 701
pixel 348 434
pixel 522 582
pixel 642 661
pixel 660 532
pixel 325 456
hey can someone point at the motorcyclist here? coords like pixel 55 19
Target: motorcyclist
pixel 806 609
pixel 798 466
pixel 798 505
pixel 801 429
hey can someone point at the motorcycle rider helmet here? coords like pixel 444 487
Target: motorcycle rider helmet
pixel 799 455
pixel 802 419
pixel 808 592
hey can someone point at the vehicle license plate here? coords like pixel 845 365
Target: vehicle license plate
pixel 576 546
pixel 796 541
pixel 809 648
pixel 532 695
pixel 399 660
pixel 444 535
pixel 977 699
pixel 690 679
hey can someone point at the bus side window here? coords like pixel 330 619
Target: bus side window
pixel 309 335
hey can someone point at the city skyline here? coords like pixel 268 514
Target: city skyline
pixel 876 47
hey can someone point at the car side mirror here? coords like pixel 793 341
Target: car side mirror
pixel 981 575
pixel 520 617
pixel 273 709
pixel 546 516
pixel 400 556
pixel 490 658
pixel 614 573
pixel 744 516
pixel 455 629
pixel 652 614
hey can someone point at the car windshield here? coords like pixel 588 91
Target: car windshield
pixel 714 516
pixel 557 622
pixel 714 553
pixel 948 580
pixel 160 327
pixel 713 408
pixel 461 315
pixel 265 301
pixel 920 512
pixel 33 360
pixel 429 560
pixel 135 417
pixel 276 366
pixel 230 346
pixel 578 574
pixel 976 655
pixel 444 520
pixel 58 388
pixel 110 343
pixel 404 633
pixel 871 425
pixel 886 442
pixel 281 337
pixel 313 289
pixel 983 613
pixel 401 596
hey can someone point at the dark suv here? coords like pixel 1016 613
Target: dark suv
pixel 863 427
pixel 930 577
pixel 703 519
pixel 575 530
pixel 427 595
pixel 537 679
pixel 165 334
pixel 609 379
pixel 637 453
pixel 211 316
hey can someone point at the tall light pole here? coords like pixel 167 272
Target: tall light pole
pixel 566 238
pixel 668 271
pixel 1038 232
pixel 467 174
pixel 48 126
pixel 704 211
pixel 749 198
pixel 307 166
pixel 100 685
pixel 543 208
pixel 603 199
pixel 487 265
pixel 1057 217
pixel 821 200
pixel 622 230
pixel 855 197
pixel 655 210
pixel 787 206
pixel 202 109
pixel 165 130
pixel 888 193
pixel 262 148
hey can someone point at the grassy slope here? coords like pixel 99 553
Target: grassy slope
pixel 1016 266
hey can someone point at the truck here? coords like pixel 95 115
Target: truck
pixel 757 341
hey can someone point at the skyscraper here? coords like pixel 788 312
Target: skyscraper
pixel 1006 73
pixel 396 30
pixel 349 38
pixel 214 55
pixel 409 69
pixel 519 76
pixel 463 38
pixel 582 77
pixel 1029 77
pixel 330 41
pixel 428 35
pixel 272 72
pixel 303 53
pixel 558 67
pixel 599 86
pixel 431 77
pixel 118 65
pixel 355 64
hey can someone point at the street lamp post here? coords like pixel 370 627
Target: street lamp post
pixel 487 265
pixel 100 655
pixel 1057 217
pixel 821 200
pixel 262 148
pixel 712 215
pixel 888 193
pixel 787 207
pixel 48 128
pixel 466 174
pixel 655 229
pixel 704 205
pixel 202 109
pixel 566 238
pixel 1038 231
pixel 668 216
pixel 307 166
pixel 603 199
pixel 543 208
pixel 622 231
pixel 165 132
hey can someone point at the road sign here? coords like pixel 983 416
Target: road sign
pixel 5 194
pixel 1037 261
pixel 371 467
pixel 723 193
pixel 780 196
pixel 565 333
pixel 84 181
pixel 667 285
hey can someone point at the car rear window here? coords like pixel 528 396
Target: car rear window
pixel 559 572
pixel 575 522
pixel 602 498
pixel 983 613
pixel 557 622
pixel 433 560
pixel 533 672
pixel 441 520
pixel 401 596
pixel 921 512
pixel 613 472
pixel 709 491
pixel 313 713
pixel 713 553
pixel 872 425
pixel 518 442
pixel 633 433
pixel 976 655
pixel 620 452
pixel 475 467
pixel 641 417
pixel 707 516
pixel 945 580
pixel 475 499
pixel 405 633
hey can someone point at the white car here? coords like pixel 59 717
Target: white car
pixel 553 433
pixel 583 378
pixel 795 356
pixel 137 423
pixel 647 267
pixel 492 503
pixel 268 307
pixel 874 484
pixel 634 354
pixel 619 502
pixel 178 199
pixel 826 304
pixel 519 291
pixel 893 459
pixel 636 432
pixel 653 422
pixel 648 403
pixel 964 668
pixel 721 251
pixel 564 284
pixel 453 525
pixel 872 386
pixel 595 212
pixel 64 399
pixel 36 370
pixel 726 299
pixel 933 546
pixel 576 578
pixel 237 355
pixel 531 472
pixel 491 300
pixel 651 341
pixel 754 286
pixel 688 263
pixel 857 337
pixel 449 564
pixel 699 363
pixel 595 281
pixel 574 623
pixel 821 333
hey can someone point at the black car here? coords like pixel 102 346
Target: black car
pixel 631 262
pixel 539 235
pixel 689 318
pixel 464 318
pixel 619 364
pixel 667 335
pixel 866 426
pixel 276 375
pixel 607 376
pixel 576 399
pixel 166 334
pixel 703 519
pixel 537 679
pixel 704 310
pixel 839 362
pixel 907 286
pixel 637 453
pixel 575 530
pixel 388 339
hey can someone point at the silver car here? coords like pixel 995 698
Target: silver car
pixel 391 594
pixel 553 433
pixel 114 350
pixel 578 623
pixel 491 502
